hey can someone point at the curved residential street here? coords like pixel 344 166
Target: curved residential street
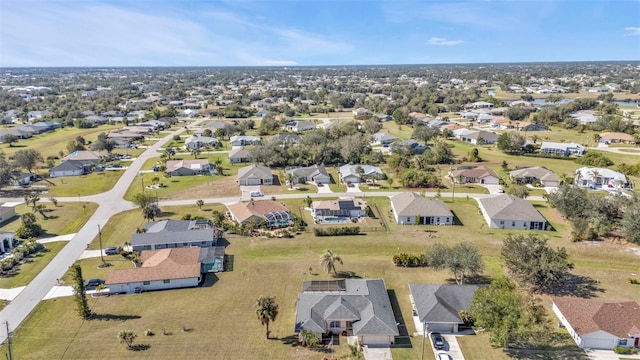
pixel 109 204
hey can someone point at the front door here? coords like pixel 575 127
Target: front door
pixel 637 342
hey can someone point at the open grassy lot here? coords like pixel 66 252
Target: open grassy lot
pixel 220 314
pixel 90 268
pixel 50 144
pixel 90 184
pixel 32 265
pixel 66 218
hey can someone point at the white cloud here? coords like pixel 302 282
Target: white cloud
pixel 633 31
pixel 443 42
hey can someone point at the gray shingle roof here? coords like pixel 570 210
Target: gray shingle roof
pixel 261 172
pixel 365 303
pixel 510 207
pixel 537 172
pixel 410 203
pixel 174 231
pixel 441 303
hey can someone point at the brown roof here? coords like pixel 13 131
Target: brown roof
pixel 619 318
pixel 617 136
pixel 244 210
pixel 193 164
pixel 165 264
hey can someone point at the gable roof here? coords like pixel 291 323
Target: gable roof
pixel 620 318
pixel 410 203
pixel 239 153
pixel 537 172
pixel 474 172
pixel 441 303
pixel 617 136
pixel 510 207
pixel 364 302
pixel 191 164
pixel 165 264
pixel 173 231
pixel 308 172
pixel 69 165
pixel 84 155
pixel 346 170
pixel 242 211
pixel 254 170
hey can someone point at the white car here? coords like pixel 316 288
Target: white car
pixel 256 194
pixel 442 355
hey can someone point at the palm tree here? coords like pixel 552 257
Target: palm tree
pixel 329 260
pixel 535 138
pixel 289 178
pixel 195 152
pixel 199 204
pixel 169 151
pixel 218 163
pixel 266 311
pixel 127 337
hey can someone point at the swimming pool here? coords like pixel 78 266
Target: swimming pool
pixel 334 220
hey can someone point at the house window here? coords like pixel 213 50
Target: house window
pixel 448 219
pixel 334 324
pixel 146 283
pixel 501 222
pixel 622 342
pixel 166 281
pixel 513 223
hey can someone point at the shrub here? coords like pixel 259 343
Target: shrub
pixel 28 231
pixel 633 281
pixel 186 217
pixel 625 350
pixel 148 332
pixel 337 231
pixel 408 260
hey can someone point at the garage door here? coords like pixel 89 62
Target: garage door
pixel 375 340
pixel 443 328
pixel 598 343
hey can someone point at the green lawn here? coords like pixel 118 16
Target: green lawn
pixel 336 185
pixel 66 218
pixel 94 183
pixel 221 312
pixel 22 274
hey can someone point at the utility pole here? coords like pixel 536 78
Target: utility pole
pixel 100 238
pixel 9 354
pixel 453 183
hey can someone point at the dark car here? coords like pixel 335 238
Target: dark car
pixel 93 283
pixel 111 250
pixel 438 340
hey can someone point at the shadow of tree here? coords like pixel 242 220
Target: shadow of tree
pixel 579 286
pixel 109 317
pixel 291 340
pixel 140 347
pixel 346 275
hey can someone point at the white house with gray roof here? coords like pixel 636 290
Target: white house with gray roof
pixel 437 307
pixel 536 173
pixel 511 212
pixel 410 208
pixel 562 149
pixel 239 155
pixel 244 140
pixel 351 173
pixel 167 234
pixel 255 175
pixel 316 173
pixel 358 308
pixel 383 138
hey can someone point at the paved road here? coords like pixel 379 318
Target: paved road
pixel 110 203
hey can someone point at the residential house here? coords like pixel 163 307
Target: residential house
pixel 437 307
pixel 299 125
pixel 255 175
pixel 212 259
pixel 316 174
pixel 189 167
pixel 200 142
pixel 511 212
pixel 529 126
pixel 20 134
pixel 239 155
pixel 7 213
pixel 93 157
pixel 480 105
pixel 244 140
pixel 562 149
pixel 23 178
pixel 70 168
pixel 383 117
pixel 155 125
pixel 7 240
pixel 595 178
pixel 217 124
pixel 358 308
pixel 286 139
pixel 599 324
pixel 474 175
pixel 160 270
pixel 31 115
pixel 383 139
pixel 188 113
pixel 477 137
pixel 342 208
pixel 261 212
pixel 534 174
pixel 361 112
pixel 410 208
pixel 358 173
pixel 167 234
pixel 411 146
pixel 617 138
pixel 586 117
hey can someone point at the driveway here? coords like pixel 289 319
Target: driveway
pixel 324 189
pixel 246 191
pixel 353 189
pixel 452 347
pixel 494 189
pixel 607 355
pixel 377 352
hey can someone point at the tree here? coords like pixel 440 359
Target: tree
pixel 27 159
pixel 127 337
pixel 425 133
pixel 329 260
pixel 147 203
pixel 199 204
pixel 10 139
pixel 195 152
pixel 509 315
pixel 309 338
pixel 462 259
pixel 511 142
pixel 7 169
pixel 79 293
pixel 630 223
pixel 29 228
pixel 266 311
pixel 169 151
pixel 532 261
pixel 218 163
pixel 520 191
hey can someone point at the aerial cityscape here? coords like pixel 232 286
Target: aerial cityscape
pixel 319 180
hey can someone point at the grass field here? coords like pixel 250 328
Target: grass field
pixel 220 314
pixel 22 274
pixel 50 144
pixel 66 218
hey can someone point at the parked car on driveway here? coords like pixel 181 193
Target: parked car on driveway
pixel 438 340
pixel 442 355
pixel 92 283
pixel 111 250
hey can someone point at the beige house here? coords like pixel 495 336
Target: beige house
pixel 414 209
pixel 474 175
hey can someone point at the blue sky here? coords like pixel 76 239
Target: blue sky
pixel 313 32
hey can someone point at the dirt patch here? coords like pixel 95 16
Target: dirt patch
pixel 225 187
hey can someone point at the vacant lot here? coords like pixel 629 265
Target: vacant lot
pixel 66 218
pixel 220 315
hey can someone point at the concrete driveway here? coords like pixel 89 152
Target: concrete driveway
pixel 607 355
pixel 377 352
pixel 246 191
pixel 452 347
pixel 324 189
pixel 353 189
pixel 494 189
